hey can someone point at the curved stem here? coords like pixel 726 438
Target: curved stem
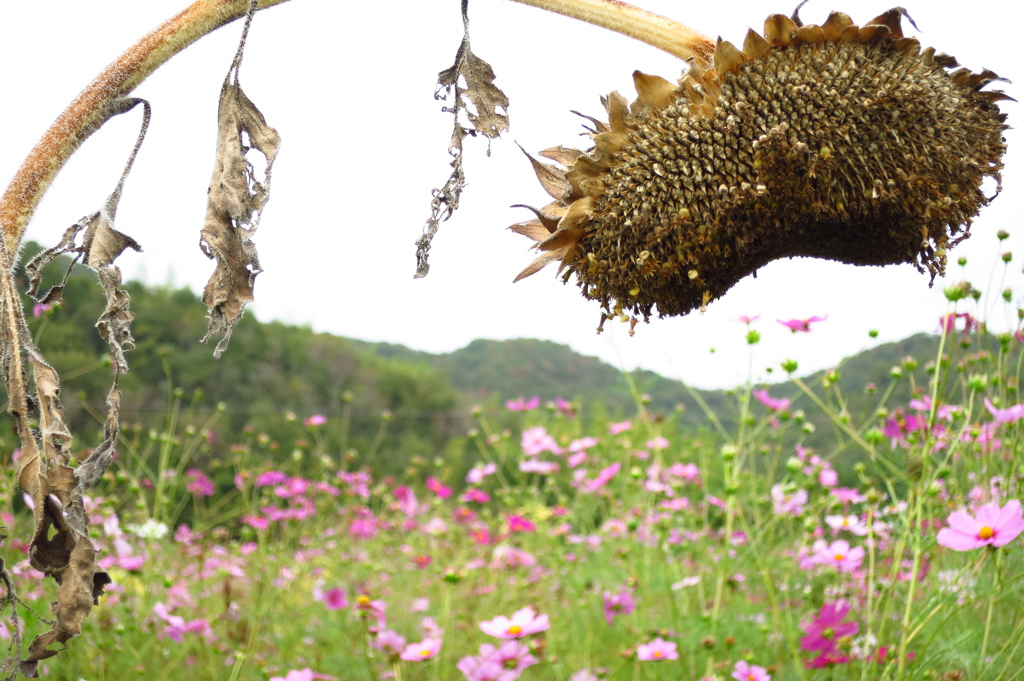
pixel 95 105
pixel 639 24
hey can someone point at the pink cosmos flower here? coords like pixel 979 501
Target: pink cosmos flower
pixel 576 459
pixel 1014 413
pixel 899 425
pixel 746 672
pixel 788 505
pixel 199 484
pixel 503 663
pixel 772 403
pixel 517 523
pixel 522 404
pixel 849 523
pixel 424 650
pixel 390 642
pixel 536 440
pixel 990 526
pixel 435 486
pixel 477 475
pixel 603 477
pixel 658 649
pixel 620 427
pixel 823 631
pixel 513 657
pixel 687 471
pixel 803 325
pixel 334 599
pixel 847 495
pixel 617 604
pixel 582 444
pixel 746 319
pixel 479 668
pixel 838 554
pixel 657 443
pixel 315 420
pixel 522 623
pixel 476 495
pixel 541 467
pixel 270 478
pixel 948 322
pixel 306 674
pixel 564 407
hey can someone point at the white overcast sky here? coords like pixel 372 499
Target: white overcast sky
pixel 349 85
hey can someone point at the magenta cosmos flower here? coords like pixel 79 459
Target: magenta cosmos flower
pixel 828 626
pixel 658 649
pixel 617 604
pixel 523 622
pixel 747 672
pixel 990 526
pixel 803 325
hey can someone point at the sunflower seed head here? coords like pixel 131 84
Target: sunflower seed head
pixel 834 141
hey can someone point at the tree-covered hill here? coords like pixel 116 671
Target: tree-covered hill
pixel 275 375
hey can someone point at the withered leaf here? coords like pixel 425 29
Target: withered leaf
pixel 236 199
pixel 488 116
pixel 44 471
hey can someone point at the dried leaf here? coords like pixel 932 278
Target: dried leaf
pixel 236 199
pixel 488 116
pixel 44 472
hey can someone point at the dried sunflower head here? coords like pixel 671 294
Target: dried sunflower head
pixel 830 141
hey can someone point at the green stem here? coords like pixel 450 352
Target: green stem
pixel 992 603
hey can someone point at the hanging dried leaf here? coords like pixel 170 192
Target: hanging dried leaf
pixel 236 200
pixel 44 470
pixel 488 116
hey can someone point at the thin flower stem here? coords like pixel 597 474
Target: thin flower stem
pixel 97 102
pixel 992 603
pixel 653 29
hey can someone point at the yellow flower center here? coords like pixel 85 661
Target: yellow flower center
pixel 425 652
pixel 986 532
pixel 656 653
pixel 515 630
pixel 363 600
pixel 839 557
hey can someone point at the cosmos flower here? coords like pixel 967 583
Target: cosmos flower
pixel 772 403
pixel 523 622
pixel 823 631
pixel 657 650
pixel 990 526
pixel 620 603
pixel 424 650
pixel 838 554
pixel 801 325
pixel 743 671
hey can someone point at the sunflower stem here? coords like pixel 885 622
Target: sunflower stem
pixel 95 105
pixel 647 27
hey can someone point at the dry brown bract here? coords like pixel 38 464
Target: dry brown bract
pixel 833 141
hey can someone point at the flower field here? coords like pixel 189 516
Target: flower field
pixel 577 550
